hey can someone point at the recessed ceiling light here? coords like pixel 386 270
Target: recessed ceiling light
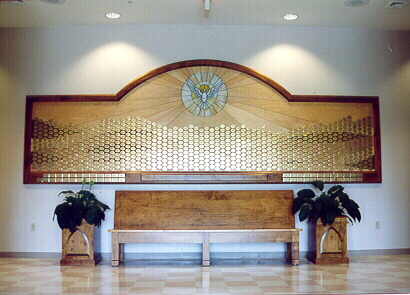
pixel 113 15
pixel 291 16
pixel 356 3
pixel 53 1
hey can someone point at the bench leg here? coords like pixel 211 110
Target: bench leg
pixel 121 249
pixel 293 253
pixel 206 248
pixel 115 253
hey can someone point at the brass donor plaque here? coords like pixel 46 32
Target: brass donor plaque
pixel 202 177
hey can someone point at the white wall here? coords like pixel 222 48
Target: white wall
pixel 103 59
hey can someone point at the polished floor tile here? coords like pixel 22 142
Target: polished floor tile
pixel 381 274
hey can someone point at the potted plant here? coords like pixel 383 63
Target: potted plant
pixel 79 206
pixel 78 216
pixel 328 237
pixel 325 205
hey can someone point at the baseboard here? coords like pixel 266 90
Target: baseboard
pixel 46 255
pixel 197 255
pixel 356 253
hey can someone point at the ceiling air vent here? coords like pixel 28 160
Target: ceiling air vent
pixel 396 4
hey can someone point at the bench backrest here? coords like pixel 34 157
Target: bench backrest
pixel 199 210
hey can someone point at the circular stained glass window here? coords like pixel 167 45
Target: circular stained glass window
pixel 204 94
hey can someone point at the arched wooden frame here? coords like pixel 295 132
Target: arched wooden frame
pixel 265 94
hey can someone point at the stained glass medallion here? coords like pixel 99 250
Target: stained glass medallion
pixel 204 94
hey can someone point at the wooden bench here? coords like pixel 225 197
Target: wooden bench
pixel 204 217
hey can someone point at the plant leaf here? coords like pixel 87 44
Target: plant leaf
pixel 305 211
pixel 297 203
pixel 319 205
pixel 319 184
pixel 330 217
pixel 355 214
pixel 327 201
pixel 335 189
pixel 60 212
pixel 102 205
pixel 353 204
pixel 314 216
pixel 94 215
pixel 343 199
pixel 306 193
pixel 70 192
pixel 358 215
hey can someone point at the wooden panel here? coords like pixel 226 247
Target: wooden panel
pixel 203 210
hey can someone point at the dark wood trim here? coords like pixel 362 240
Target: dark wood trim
pixel 335 98
pixel 27 141
pixel 377 141
pixel 71 98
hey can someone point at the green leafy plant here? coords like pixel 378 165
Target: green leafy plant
pixel 79 206
pixel 326 205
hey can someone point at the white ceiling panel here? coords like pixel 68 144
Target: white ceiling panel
pixel 323 13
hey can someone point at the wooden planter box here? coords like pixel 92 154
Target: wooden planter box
pixel 328 244
pixel 82 246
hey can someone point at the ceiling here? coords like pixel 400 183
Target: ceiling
pixel 319 13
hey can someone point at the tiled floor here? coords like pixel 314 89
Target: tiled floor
pixel 370 274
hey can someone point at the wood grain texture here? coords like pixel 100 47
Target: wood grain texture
pixel 200 210
pixel 329 242
pixel 81 247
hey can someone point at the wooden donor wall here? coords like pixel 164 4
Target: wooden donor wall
pixel 202 121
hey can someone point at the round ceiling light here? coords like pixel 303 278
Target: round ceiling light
pixel 356 3
pixel 291 16
pixel 113 15
pixel 53 1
